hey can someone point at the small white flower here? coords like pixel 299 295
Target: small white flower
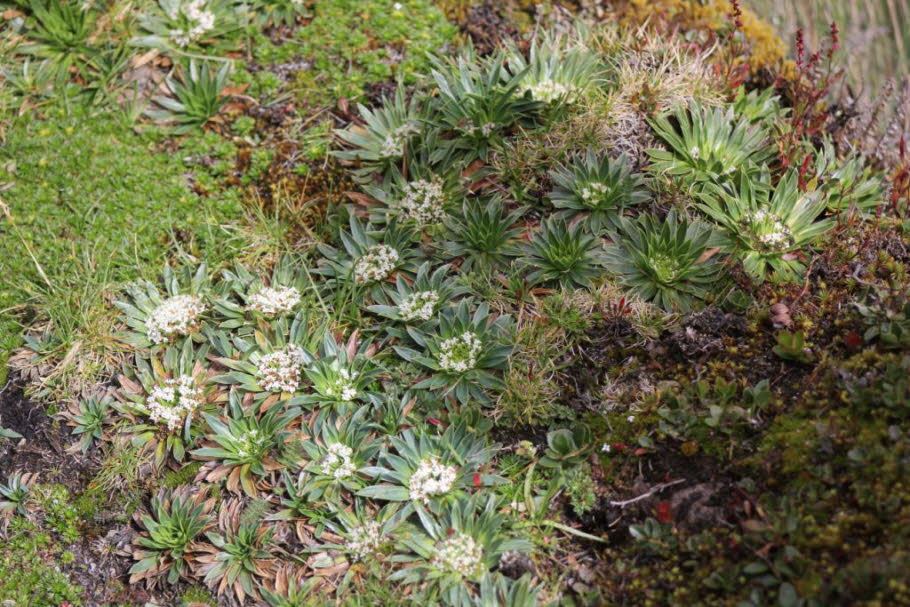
pixel 630 419
pixel 420 304
pixel 424 201
pixel 431 478
pixel 770 230
pixel 281 371
pixel 376 264
pixel 178 315
pixel 394 142
pixel 270 301
pixel 460 353
pixel 337 462
pixel 460 554
pixel 364 539
pixel 251 443
pixel 199 20
pixel 549 90
pixel 605 448
pixel 593 192
pixel 343 385
pixel 485 129
pixel 173 401
pixel 398 6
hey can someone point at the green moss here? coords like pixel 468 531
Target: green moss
pixel 56 506
pixel 198 595
pixel 29 568
pixel 174 478
pixel 353 43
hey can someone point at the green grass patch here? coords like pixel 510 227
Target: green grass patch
pixel 353 43
pixel 93 204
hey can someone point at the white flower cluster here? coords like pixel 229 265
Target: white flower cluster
pixel 431 478
pixel 485 129
pixel 424 201
pixel 199 18
pixel 178 315
pixel 364 539
pixel 549 90
pixel 460 353
pixel 337 462
pixel 251 443
pixel 459 554
pixel 280 371
pixel 343 386
pixel 393 145
pixel 593 192
pixel 420 304
pixel 770 230
pixel 172 402
pixel 376 264
pixel 270 301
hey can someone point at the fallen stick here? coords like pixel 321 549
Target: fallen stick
pixel 652 491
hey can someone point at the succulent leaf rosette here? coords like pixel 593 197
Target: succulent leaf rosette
pixel 270 365
pixel 427 470
pixel 385 137
pixel 238 557
pixel 557 70
pixel 708 146
pixel 244 296
pixel 455 551
pixel 483 233
pixel 598 189
pixel 157 319
pixel 176 518
pixel 369 258
pixel 341 376
pixel 565 254
pixel 163 402
pixel 464 352
pixel 335 452
pixel 190 25
pixel 418 301
pixel 767 228
pixel 479 100
pixel 242 447
pixel 664 260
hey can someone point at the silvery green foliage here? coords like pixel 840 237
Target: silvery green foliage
pixel 664 260
pixel 463 352
pixel 708 145
pixel 598 189
pixel 766 226
pixel 568 255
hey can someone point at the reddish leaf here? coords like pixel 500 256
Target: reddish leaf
pixel 853 340
pixel 664 513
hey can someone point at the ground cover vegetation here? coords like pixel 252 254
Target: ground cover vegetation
pixel 458 303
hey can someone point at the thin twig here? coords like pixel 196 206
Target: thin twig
pixel 652 491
